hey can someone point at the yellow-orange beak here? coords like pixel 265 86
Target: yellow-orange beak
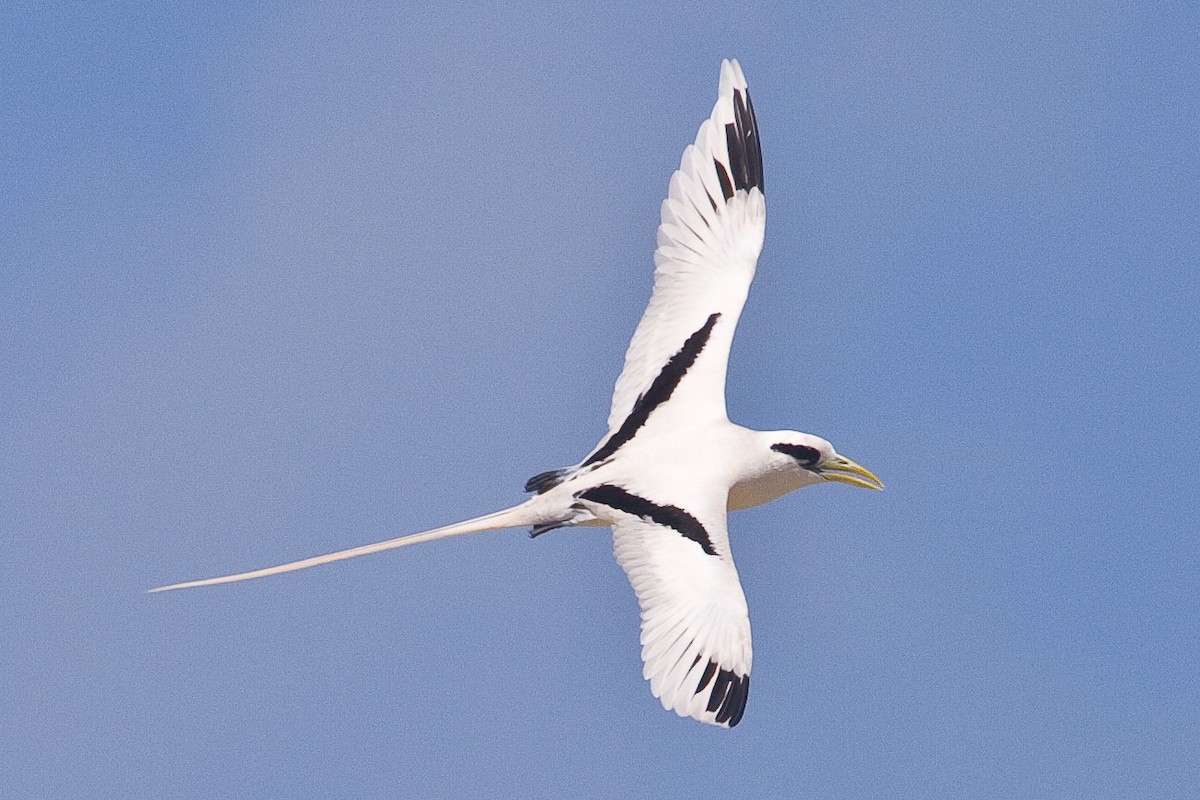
pixel 843 470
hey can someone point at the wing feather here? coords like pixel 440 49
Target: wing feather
pixel 695 631
pixel 708 242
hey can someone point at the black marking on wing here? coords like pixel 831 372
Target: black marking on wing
pixel 545 481
pixel 723 178
pixel 745 150
pixel 660 391
pixel 745 168
pixel 729 693
pixel 808 456
pixel 672 517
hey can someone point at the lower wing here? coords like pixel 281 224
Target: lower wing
pixel 695 623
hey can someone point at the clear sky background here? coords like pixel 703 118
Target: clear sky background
pixel 279 279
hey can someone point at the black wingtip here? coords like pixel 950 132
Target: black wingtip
pixel 745 148
pixel 728 695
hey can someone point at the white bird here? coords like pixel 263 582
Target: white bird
pixel 672 464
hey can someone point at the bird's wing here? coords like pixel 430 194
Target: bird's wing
pixel 695 623
pixel 708 243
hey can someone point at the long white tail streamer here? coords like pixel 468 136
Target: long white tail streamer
pixel 517 516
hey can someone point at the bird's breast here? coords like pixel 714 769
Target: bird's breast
pixel 763 489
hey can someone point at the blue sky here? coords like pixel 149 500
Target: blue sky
pixel 278 279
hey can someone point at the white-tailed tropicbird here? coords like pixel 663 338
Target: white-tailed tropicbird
pixel 672 464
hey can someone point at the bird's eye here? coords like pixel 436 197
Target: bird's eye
pixel 808 456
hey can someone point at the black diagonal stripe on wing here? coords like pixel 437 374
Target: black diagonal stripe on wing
pixel 660 391
pixel 671 517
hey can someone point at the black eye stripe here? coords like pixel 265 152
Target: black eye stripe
pixel 807 456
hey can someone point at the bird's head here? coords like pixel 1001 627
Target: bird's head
pixel 817 461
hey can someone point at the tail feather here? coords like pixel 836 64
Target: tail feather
pixel 515 517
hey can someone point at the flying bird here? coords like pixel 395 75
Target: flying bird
pixel 672 465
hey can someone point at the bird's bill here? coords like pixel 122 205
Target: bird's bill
pixel 843 470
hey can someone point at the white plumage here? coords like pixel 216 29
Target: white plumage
pixel 672 464
pixel 704 263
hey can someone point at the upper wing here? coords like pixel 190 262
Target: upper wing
pixel 708 243
pixel 695 624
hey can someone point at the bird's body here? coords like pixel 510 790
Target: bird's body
pixel 672 464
